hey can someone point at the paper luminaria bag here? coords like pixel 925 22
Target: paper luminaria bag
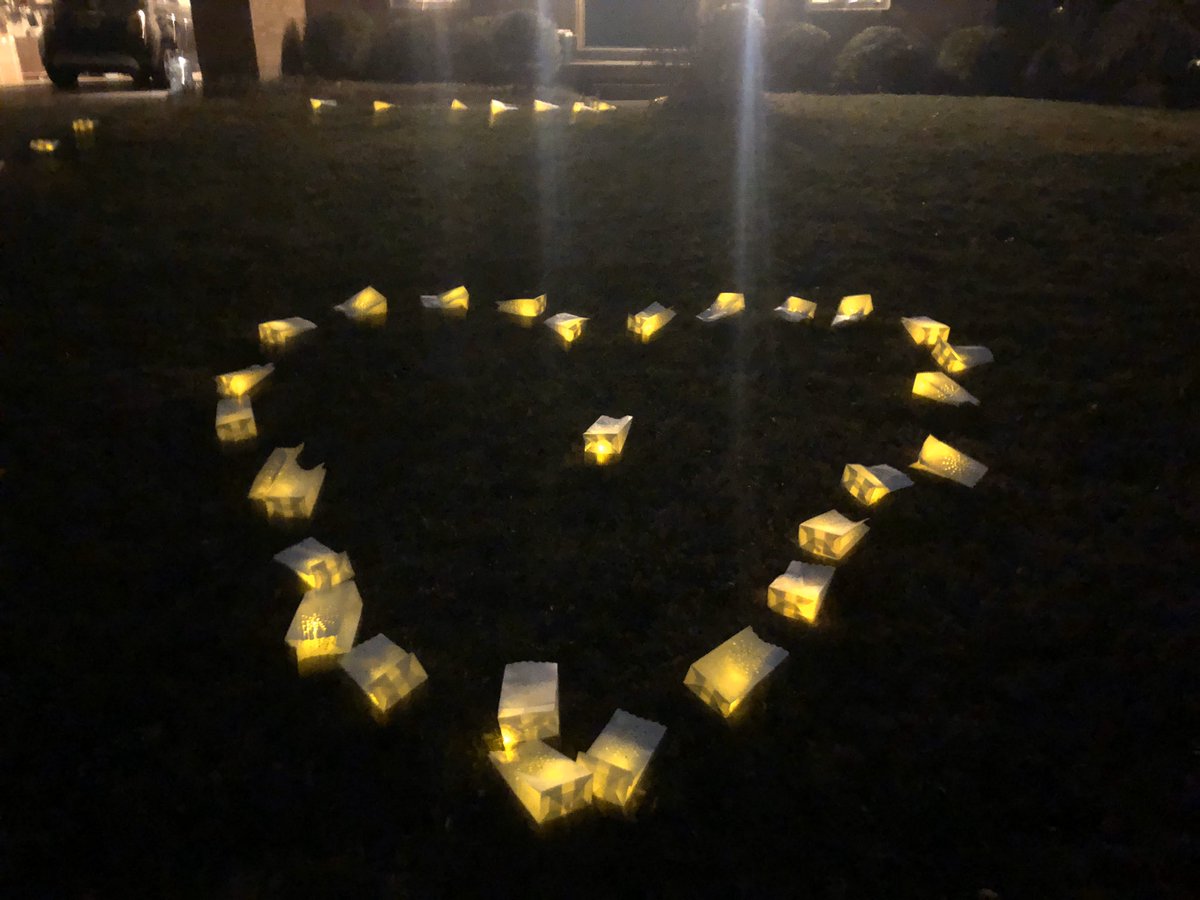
pixel 43 145
pixel 525 307
pixel 325 622
pixel 942 388
pixel 317 103
pixel 283 488
pixel 925 331
pixel 548 784
pixel 235 420
pixel 797 309
pixel 543 106
pixel 528 702
pixel 315 564
pixel 870 484
pixel 853 308
pixel 279 332
pixel 618 758
pixel 241 382
pixel 381 106
pixel 83 126
pixel 955 360
pixel 458 105
pixel 942 460
pixel 605 439
pixel 368 305
pixel 386 673
pixel 799 592
pixel 727 304
pixel 725 676
pixel 831 535
pixel 497 109
pixel 455 299
pixel 649 321
pixel 567 326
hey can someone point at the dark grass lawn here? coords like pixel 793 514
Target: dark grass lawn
pixel 1001 694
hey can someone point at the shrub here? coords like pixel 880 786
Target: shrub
pixel 1054 72
pixel 797 58
pixel 473 55
pixel 338 44
pixel 881 58
pixel 718 75
pixel 411 50
pixel 978 61
pixel 526 48
pixel 291 55
pixel 1139 47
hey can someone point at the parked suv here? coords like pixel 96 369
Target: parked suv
pixel 131 37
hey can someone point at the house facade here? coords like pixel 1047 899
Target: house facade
pixel 242 38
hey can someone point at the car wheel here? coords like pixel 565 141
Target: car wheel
pixel 64 79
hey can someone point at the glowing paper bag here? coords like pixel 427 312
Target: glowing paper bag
pixel 543 106
pixel 525 307
pixel 548 784
pixel 797 309
pixel 831 535
pixel 925 331
pixel 944 461
pixel 726 304
pixel 315 564
pixel 386 673
pixel 278 332
pixel 325 622
pixel 528 702
pixel 799 592
pixel 497 109
pixel 649 321
pixel 43 145
pixel 870 484
pixel 618 758
pixel 380 106
pixel 83 126
pixel 456 299
pixel 283 488
pixel 954 360
pixel 235 420
pixel 942 388
pixel 457 105
pixel 605 439
pixel 368 305
pixel 241 382
pixel 724 677
pixel 853 308
pixel 317 104
pixel 567 326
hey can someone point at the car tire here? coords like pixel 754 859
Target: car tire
pixel 63 79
